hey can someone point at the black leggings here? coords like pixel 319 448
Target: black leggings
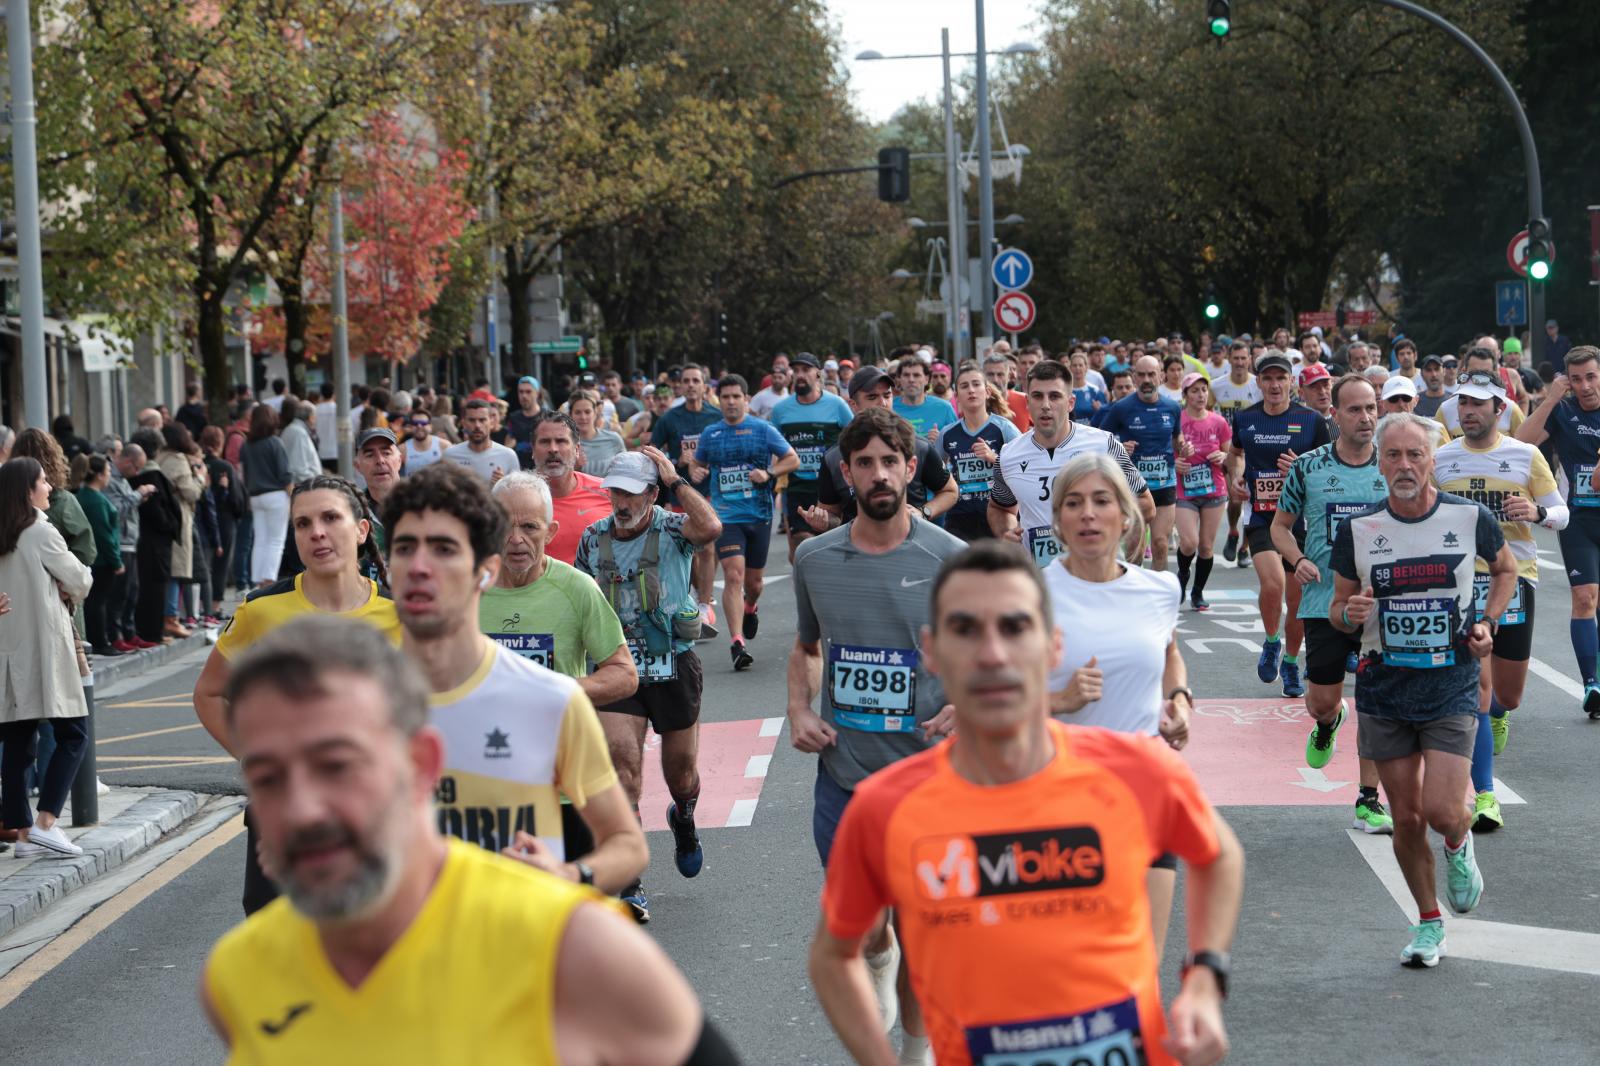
pixel 19 739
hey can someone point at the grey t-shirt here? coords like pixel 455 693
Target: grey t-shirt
pixel 484 463
pixel 868 611
pixel 599 450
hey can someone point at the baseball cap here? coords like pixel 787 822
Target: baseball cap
pixel 1399 385
pixel 587 380
pixel 831 364
pixel 865 378
pixel 1480 386
pixel 1511 344
pixel 806 359
pixel 631 472
pixel 1316 331
pixel 1314 373
pixel 377 433
pixel 1274 360
pixel 945 367
pixel 1190 378
pixel 1439 359
pixel 528 380
pixel 851 363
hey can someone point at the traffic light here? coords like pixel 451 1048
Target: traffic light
pixel 1219 17
pixel 1213 306
pixel 583 361
pixel 894 175
pixel 1541 252
pixel 722 329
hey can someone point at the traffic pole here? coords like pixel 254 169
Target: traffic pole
pixel 86 785
pixel 984 148
pixel 25 167
pixel 341 336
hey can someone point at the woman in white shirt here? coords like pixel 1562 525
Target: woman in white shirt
pixel 1120 665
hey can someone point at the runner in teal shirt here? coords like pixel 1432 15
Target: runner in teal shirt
pixel 927 414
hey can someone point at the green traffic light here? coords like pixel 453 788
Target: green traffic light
pixel 1213 311
pixel 1538 270
pixel 1220 27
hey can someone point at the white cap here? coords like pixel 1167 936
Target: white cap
pixel 1399 385
pixel 831 364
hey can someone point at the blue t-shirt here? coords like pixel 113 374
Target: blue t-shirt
pixel 1153 426
pixel 1575 436
pixel 732 453
pixel 811 429
pixel 931 413
pixel 678 431
pixel 1263 438
pixel 974 476
pixel 1083 401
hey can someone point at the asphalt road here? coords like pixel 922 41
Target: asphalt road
pixel 1316 959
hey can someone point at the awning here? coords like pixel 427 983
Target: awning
pixel 53 327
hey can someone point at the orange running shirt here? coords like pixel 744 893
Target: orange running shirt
pixel 1023 907
pixel 577 511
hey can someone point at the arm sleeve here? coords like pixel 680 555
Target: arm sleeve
pixel 1136 480
pixel 1008 430
pixel 808 629
pixel 582 560
pixel 1177 814
pixel 1111 419
pixel 1000 493
pixel 658 432
pixel 777 444
pixel 76 529
pixel 61 564
pixel 857 887
pixel 1343 559
pixel 1490 536
pixel 583 762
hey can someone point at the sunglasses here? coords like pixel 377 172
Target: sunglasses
pixel 1450 364
pixel 421 422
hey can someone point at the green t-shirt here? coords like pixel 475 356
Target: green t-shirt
pixel 560 621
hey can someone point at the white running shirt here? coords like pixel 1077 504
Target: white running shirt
pixel 1027 470
pixel 1131 652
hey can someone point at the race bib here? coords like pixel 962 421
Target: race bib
pixel 688 447
pixel 1268 488
pixel 1043 544
pixel 810 462
pixel 975 475
pixel 1105 1036
pixel 1338 512
pixel 735 480
pixel 1199 481
pixel 540 647
pixel 653 666
pixel 1157 470
pixel 873 689
pixel 1583 491
pixel 1516 611
pixel 1418 633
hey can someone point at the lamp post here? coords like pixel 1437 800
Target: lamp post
pixel 25 171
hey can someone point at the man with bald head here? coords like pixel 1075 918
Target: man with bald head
pixel 1149 427
pixel 150 418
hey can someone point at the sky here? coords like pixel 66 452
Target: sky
pixel 895 27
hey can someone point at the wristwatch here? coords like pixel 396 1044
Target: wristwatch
pixel 1215 961
pixel 1542 514
pixel 585 872
pixel 925 514
pixel 1186 694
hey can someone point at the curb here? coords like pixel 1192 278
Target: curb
pixel 109 671
pixel 105 847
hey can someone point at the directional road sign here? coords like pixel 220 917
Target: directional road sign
pixel 1510 303
pixel 1012 269
pixel 1014 312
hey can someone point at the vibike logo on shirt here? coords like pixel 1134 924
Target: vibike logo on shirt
pixel 1045 860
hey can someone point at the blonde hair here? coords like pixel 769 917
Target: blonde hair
pixel 1103 465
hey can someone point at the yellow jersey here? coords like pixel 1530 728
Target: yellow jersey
pixel 267 609
pixel 1491 477
pixel 516 737
pixel 471 980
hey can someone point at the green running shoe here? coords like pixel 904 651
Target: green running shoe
pixel 1501 728
pixel 1372 817
pixel 1319 749
pixel 1463 884
pixel 1427 945
pixel 1486 814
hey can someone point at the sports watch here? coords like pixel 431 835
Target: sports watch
pixel 1215 961
pixel 585 872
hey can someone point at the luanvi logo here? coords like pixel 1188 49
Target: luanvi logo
pixel 276 1028
pixel 1044 860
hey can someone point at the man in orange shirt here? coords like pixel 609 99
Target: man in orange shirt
pixel 997 371
pixel 1014 857
pixel 577 501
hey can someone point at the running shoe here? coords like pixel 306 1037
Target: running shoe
pixel 742 660
pixel 708 622
pixel 1591 701
pixel 1244 558
pixel 751 623
pixel 1501 728
pixel 1230 547
pixel 1486 813
pixel 1320 747
pixel 1292 686
pixel 1372 817
pixel 884 969
pixel 638 903
pixel 1267 665
pixel 688 853
pixel 1427 944
pixel 1199 603
pixel 1463 884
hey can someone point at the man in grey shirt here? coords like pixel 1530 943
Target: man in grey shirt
pixel 862 595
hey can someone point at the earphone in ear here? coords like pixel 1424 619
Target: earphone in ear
pixel 485 581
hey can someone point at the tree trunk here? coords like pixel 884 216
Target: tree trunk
pixel 211 333
pixel 295 318
pixel 518 282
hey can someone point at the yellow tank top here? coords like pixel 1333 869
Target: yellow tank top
pixel 472 980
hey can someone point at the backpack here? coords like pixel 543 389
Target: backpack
pixel 664 617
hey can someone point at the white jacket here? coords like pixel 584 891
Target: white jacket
pixel 38 663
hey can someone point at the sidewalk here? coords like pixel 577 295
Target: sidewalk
pixel 108 671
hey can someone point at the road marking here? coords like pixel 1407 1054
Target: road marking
pixel 1556 678
pixel 757 766
pixel 743 813
pixel 52 954
pixel 182 699
pixel 151 733
pixel 730 753
pixel 158 766
pixel 770 580
pixel 176 759
pixel 1484 941
pixel 1203 646
pixel 771 727
pixel 1317 781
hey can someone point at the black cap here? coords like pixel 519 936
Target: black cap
pixel 377 433
pixel 1438 359
pixel 1274 359
pixel 865 378
pixel 806 359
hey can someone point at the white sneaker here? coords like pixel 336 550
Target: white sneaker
pixel 885 969
pixel 52 839
pixel 101 788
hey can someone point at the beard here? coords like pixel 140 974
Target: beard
pixel 878 507
pixel 802 388
pixel 378 865
pixel 1405 490
pixel 555 468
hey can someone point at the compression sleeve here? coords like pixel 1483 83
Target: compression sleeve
pixel 1556 513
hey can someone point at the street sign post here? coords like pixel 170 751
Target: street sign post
pixel 1014 312
pixel 1012 269
pixel 1510 303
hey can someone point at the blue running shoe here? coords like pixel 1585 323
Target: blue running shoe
pixel 1591 702
pixel 1267 665
pixel 638 903
pixel 1290 672
pixel 689 854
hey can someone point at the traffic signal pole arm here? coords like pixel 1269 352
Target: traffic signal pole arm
pixel 806 174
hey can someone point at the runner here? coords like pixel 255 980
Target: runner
pixel 1316 392
pixel 640 557
pixel 1129 677
pixel 1416 689
pixel 1569 418
pixel 422 448
pixel 1399 394
pixel 735 457
pixel 1202 487
pixel 997 368
pixel 861 593
pixel 1121 388
pixel 1511 479
pixel 1020 958
pixel 677 433
pixel 1019 500
pixel 1149 426
pixel 1267 438
pixel 517 736
pixel 577 499
pixel 1323 488
pixel 972 448
pixel 1480 360
pixel 1087 398
pixel 1435 394
pixel 764 402
pixel 1233 394
pixel 927 414
pixel 490 461
pixel 389 926
pixel 332 534
pixel 519 424
pixel 810 420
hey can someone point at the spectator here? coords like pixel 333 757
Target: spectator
pixel 234 438
pixel 232 507
pixel 8 438
pixel 280 390
pixel 304 462
pixel 160 520
pixel 207 549
pixel 63 510
pixel 1559 345
pixel 91 474
pixel 125 498
pixel 72 445
pixel 192 415
pixel 38 659
pixel 600 446
pixel 444 420
pixel 328 428
pixel 176 458
pixel 150 418
pixel 267 480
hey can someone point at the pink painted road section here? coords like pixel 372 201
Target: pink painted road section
pixel 1253 753
pixel 733 767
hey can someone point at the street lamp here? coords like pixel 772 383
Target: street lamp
pixel 1012 219
pixel 902 274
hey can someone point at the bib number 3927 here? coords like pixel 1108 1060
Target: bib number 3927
pixel 1105 1036
pixel 873 689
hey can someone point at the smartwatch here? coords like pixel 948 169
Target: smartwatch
pixel 1215 961
pixel 585 872
pixel 1184 691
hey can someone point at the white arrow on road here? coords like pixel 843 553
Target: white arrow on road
pixel 1317 780
pixel 1204 646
